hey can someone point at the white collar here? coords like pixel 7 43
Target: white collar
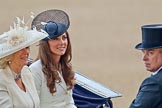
pixel 154 73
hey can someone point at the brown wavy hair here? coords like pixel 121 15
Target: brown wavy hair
pixel 49 67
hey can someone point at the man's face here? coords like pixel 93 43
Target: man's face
pixel 152 59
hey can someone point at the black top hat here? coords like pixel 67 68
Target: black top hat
pixel 151 37
pixel 55 22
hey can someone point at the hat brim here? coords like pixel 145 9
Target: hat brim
pixel 53 15
pixel 33 37
pixel 140 47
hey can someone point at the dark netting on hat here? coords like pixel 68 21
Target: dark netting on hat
pixel 50 15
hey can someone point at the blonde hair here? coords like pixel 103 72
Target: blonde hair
pixel 5 61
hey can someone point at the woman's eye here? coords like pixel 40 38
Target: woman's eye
pixel 28 48
pixel 55 38
pixel 64 37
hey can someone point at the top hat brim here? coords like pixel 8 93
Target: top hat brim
pixel 141 47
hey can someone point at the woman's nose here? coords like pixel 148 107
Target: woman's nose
pixel 61 41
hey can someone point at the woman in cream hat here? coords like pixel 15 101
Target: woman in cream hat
pixel 17 88
pixel 53 73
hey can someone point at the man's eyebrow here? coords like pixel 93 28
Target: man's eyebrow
pixel 151 49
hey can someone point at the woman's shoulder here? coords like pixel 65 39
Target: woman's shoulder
pixel 5 79
pixel 36 64
pixel 26 71
pixel 36 68
pixel 2 73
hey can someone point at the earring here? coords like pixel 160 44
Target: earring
pixel 9 62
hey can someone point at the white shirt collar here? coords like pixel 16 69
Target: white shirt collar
pixel 154 73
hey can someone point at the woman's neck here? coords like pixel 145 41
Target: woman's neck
pixel 15 68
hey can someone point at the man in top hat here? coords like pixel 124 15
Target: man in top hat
pixel 150 92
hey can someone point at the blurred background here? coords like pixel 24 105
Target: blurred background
pixel 103 35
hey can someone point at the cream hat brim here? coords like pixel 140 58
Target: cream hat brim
pixel 33 36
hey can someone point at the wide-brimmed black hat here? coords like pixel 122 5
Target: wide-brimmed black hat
pixel 55 22
pixel 151 37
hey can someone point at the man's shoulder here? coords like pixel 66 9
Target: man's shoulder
pixel 158 76
pixel 154 79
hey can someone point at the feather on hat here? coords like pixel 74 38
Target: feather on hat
pixel 19 37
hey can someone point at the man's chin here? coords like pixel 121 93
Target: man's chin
pixel 150 70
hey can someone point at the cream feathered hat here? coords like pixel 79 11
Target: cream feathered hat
pixel 19 37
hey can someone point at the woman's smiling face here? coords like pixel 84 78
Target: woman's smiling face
pixel 58 45
pixel 21 57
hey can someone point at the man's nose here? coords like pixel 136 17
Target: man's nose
pixel 145 57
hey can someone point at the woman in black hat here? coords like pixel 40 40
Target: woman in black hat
pixel 53 74
pixel 150 92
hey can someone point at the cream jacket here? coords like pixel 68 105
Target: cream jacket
pixel 11 96
pixel 61 99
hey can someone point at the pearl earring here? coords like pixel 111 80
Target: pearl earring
pixel 9 62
